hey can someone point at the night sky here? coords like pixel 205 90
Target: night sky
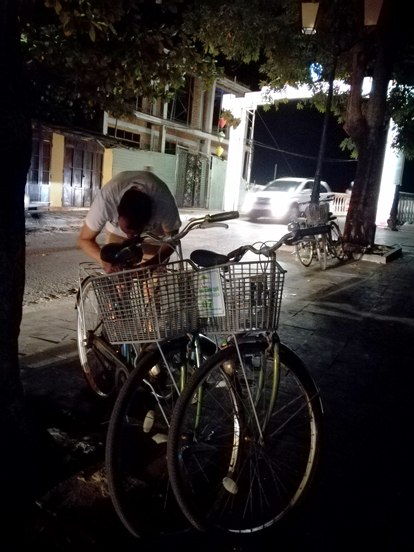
pixel 299 131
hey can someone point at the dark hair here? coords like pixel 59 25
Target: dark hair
pixel 136 207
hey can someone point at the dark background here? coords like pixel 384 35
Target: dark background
pixel 299 131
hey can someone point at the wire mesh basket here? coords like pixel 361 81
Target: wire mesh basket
pixel 317 213
pixel 242 297
pixel 141 306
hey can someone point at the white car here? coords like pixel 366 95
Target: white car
pixel 283 198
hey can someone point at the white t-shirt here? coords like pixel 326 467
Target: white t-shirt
pixel 165 217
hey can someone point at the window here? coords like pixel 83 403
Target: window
pixel 180 107
pixel 308 185
pixel 126 136
pixel 171 148
pixel 218 98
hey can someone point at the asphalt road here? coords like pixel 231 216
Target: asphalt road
pixel 52 258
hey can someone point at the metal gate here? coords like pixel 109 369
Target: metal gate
pixel 192 178
pixel 82 172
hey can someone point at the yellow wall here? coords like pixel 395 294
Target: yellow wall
pixel 108 162
pixel 56 170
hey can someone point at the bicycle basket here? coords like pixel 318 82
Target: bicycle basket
pixel 242 297
pixel 317 213
pixel 143 305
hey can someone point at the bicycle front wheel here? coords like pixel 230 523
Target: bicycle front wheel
pixel 245 439
pixel 304 251
pixel 99 371
pixel 136 447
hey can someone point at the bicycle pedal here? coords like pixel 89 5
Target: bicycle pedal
pixel 148 421
pixel 230 485
pixel 155 370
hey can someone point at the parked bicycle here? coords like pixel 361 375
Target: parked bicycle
pixel 152 312
pixel 108 359
pixel 246 432
pixel 329 243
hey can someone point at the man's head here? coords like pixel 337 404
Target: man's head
pixel 134 212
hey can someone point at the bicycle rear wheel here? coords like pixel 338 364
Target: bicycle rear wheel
pixel 99 370
pixel 321 250
pixel 304 251
pixel 245 439
pixel 136 447
pixel 337 241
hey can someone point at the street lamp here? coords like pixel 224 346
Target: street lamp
pixel 309 16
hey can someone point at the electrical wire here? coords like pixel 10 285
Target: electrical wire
pixel 277 145
pixel 284 152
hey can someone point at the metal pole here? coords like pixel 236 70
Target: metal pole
pixel 274 174
pixel 317 181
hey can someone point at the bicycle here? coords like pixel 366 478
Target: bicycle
pixel 106 363
pixel 159 309
pixel 246 432
pixel 328 243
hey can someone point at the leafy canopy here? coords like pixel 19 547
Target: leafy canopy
pixel 82 56
pixel 271 34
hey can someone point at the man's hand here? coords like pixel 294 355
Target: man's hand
pixel 109 268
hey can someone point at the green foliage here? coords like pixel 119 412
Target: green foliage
pixel 230 119
pixel 349 144
pixel 83 56
pixel 246 30
pixel 402 107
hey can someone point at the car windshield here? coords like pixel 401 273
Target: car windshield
pixel 281 186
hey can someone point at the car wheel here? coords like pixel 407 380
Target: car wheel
pixel 254 216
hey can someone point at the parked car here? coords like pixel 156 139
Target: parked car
pixel 283 199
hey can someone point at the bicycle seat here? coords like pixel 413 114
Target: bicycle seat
pixel 204 258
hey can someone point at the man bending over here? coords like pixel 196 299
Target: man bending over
pixel 131 203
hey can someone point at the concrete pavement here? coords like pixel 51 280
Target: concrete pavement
pixel 353 326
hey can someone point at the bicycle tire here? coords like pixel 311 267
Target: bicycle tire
pixel 337 241
pixel 304 252
pixel 321 247
pixel 99 372
pixel 226 477
pixel 136 464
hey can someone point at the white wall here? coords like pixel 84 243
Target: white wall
pixel 216 185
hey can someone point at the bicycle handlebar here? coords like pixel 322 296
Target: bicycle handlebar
pixel 130 250
pixel 219 217
pixel 208 258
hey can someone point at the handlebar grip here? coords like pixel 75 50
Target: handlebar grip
pixel 227 215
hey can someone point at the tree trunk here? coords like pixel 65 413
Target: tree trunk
pixel 369 131
pixel 16 458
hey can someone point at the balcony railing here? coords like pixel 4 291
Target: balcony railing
pixel 340 204
pixel 406 207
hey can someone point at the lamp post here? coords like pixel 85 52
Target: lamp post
pixel 310 12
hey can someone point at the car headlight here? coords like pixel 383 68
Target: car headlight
pixel 248 203
pixel 279 206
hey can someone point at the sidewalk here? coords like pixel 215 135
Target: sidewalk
pixel 353 326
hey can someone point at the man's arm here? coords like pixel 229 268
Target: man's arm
pixel 87 242
pixel 162 255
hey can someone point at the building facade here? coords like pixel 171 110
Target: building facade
pixel 178 141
